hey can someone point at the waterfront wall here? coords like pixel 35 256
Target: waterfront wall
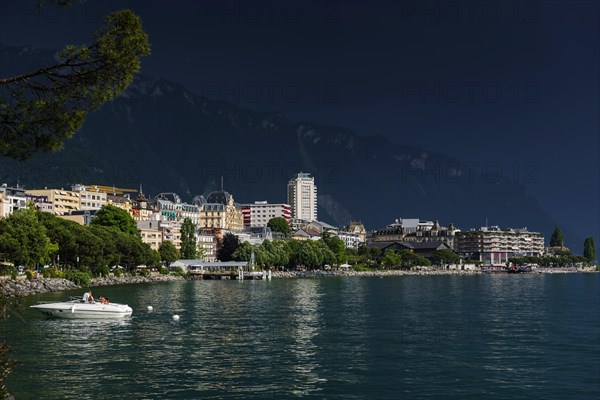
pixel 382 273
pixel 24 287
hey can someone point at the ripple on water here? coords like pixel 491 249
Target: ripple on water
pixel 405 337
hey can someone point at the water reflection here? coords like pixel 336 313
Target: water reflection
pixel 322 338
pixel 305 323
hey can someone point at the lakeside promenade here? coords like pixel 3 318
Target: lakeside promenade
pixel 22 287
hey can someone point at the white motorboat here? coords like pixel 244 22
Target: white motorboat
pixel 76 308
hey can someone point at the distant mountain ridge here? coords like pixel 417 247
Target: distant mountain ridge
pixel 162 136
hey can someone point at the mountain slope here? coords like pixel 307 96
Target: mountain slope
pixel 164 137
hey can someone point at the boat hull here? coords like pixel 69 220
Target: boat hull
pixel 78 310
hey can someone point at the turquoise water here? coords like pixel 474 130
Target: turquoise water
pixel 414 337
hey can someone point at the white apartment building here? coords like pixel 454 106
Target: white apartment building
pixel 352 240
pixel 206 243
pixel 11 200
pixel 90 198
pixel 302 197
pixel 494 246
pixel 257 215
pixel 171 208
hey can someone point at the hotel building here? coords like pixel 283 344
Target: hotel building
pixel 257 215
pixel 302 197
pixel 494 246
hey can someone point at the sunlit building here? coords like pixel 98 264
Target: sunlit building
pixel 302 197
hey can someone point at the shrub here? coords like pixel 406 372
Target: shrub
pixel 10 270
pixel 118 272
pixel 143 272
pixel 78 277
pixel 103 270
pixel 55 273
pixel 178 271
pixel 363 268
pixel 29 274
pixel 164 271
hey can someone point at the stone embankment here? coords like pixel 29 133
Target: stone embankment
pixel 125 280
pixel 321 274
pixel 23 287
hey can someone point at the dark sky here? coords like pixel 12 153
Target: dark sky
pixel 508 84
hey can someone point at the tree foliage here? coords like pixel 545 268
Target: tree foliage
pixel 188 240
pixel 589 249
pixel 23 240
pixel 117 218
pixel 279 224
pixel 557 238
pixel 41 109
pixel 549 261
pixel 391 259
pixel 444 257
pixel 337 247
pixel 168 252
pixel 228 247
pixel 33 238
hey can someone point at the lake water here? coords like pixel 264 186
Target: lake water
pixel 412 337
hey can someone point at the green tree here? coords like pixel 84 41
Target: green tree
pixel 132 251
pixel 41 109
pixel 168 252
pixel 305 256
pixel 589 249
pixel 557 238
pixel 279 224
pixel 108 237
pixel 116 218
pixel 152 256
pixel 281 253
pixel 410 259
pixel 243 252
pixel 444 257
pixel 188 240
pixel 23 239
pixel 391 259
pixel 227 247
pixel 338 247
pixel 62 233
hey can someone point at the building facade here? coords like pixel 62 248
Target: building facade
pixel 63 201
pixel 352 240
pixel 142 210
pixel 40 203
pixel 11 200
pixel 90 198
pixel 219 211
pixel 171 208
pixel 206 243
pixel 302 197
pixel 257 215
pixel 494 246
pixel 152 237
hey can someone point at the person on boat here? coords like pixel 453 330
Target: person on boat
pixel 87 297
pixel 103 300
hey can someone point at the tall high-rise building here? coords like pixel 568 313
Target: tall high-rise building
pixel 302 197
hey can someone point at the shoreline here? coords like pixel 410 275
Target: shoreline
pixel 421 272
pixel 22 287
